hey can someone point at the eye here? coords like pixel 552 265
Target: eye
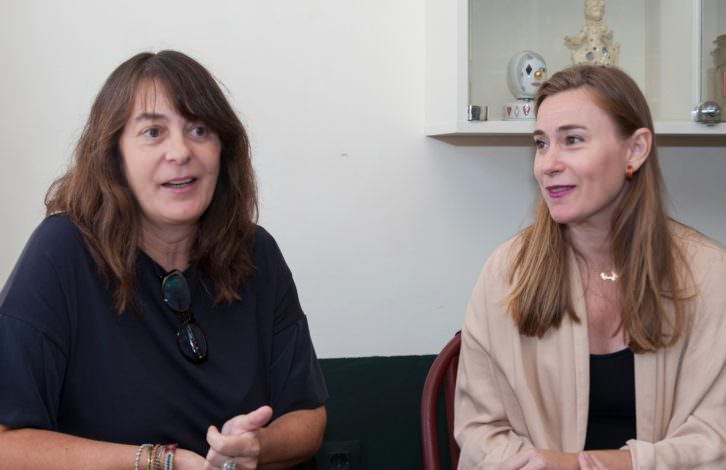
pixel 540 144
pixel 200 131
pixel 152 132
pixel 573 139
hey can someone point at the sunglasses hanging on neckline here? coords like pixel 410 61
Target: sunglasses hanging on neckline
pixel 190 337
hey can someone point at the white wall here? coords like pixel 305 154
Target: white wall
pixel 384 229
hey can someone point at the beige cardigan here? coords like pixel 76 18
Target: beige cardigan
pixel 514 392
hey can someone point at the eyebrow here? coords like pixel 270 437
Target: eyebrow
pixel 149 117
pixel 564 128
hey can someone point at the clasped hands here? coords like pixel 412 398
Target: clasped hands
pixel 238 440
pixel 539 459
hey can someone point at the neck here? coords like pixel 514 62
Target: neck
pixel 593 244
pixel 168 246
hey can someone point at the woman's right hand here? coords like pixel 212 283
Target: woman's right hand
pixel 239 439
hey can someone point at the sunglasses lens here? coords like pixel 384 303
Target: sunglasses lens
pixel 176 292
pixel 192 342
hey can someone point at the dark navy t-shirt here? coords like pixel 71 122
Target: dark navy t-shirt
pixel 70 363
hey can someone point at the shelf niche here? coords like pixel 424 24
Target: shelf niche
pixel 470 43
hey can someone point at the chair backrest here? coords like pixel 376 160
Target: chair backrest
pixel 441 378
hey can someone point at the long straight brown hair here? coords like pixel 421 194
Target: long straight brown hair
pixel 652 265
pixel 95 195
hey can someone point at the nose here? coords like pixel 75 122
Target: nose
pixel 548 162
pixel 178 149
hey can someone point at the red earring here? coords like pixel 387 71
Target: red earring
pixel 629 172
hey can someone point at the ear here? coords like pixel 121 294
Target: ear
pixel 639 144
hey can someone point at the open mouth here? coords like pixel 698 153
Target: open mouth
pixel 175 184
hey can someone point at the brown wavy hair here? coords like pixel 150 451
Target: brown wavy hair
pixel 95 195
pixel 643 246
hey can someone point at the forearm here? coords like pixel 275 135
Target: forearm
pixel 291 438
pixel 38 449
pixel 35 449
pixel 613 459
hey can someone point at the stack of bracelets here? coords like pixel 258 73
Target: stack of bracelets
pixel 158 457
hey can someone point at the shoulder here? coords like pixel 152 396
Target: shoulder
pixel 267 256
pixel 493 284
pixel 499 263
pixel 54 243
pixel 57 236
pixel 701 253
pixel 704 273
pixel 487 320
pixel 265 245
pixel 53 255
pixel 263 238
pixel 40 285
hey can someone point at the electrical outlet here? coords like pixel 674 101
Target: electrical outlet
pixel 339 455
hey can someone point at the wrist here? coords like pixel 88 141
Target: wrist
pixel 187 460
pixel 573 461
pixel 263 437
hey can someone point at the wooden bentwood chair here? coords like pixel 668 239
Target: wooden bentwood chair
pixel 441 378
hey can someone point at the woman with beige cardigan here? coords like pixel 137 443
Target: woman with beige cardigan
pixel 596 338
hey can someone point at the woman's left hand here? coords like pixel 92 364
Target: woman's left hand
pixel 239 440
pixel 540 459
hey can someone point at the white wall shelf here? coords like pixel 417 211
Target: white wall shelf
pixel 661 48
pixel 674 128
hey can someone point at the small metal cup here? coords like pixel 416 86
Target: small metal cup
pixel 477 113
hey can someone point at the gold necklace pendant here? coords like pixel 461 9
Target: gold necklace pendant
pixel 612 277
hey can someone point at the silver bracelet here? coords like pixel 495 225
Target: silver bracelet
pixel 138 454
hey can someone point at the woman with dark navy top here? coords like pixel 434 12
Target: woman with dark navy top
pixel 595 338
pixel 149 322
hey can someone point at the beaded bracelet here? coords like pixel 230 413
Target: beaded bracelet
pixel 169 458
pixel 137 460
pixel 150 457
pixel 157 457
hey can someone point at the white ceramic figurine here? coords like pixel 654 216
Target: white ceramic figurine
pixel 594 43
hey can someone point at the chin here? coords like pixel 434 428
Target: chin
pixel 183 219
pixel 562 217
pixel 186 215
